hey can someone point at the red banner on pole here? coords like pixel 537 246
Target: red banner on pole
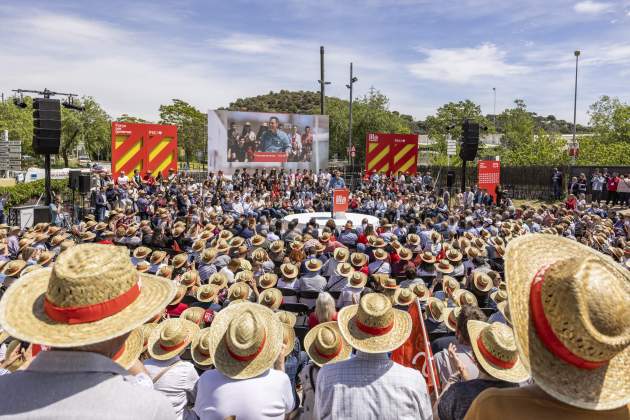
pixel 489 176
pixel 391 153
pixel 340 200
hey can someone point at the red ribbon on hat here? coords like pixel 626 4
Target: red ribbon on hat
pixel 94 312
pixel 544 331
pixel 173 347
pixel 247 357
pixel 119 353
pixel 332 355
pixel 374 330
pixel 503 364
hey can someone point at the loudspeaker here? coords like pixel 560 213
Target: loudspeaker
pixel 46 126
pixel 73 179
pixel 450 179
pixel 85 181
pixel 41 214
pixel 470 140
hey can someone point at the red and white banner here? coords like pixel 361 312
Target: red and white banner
pixel 489 176
pixel 270 157
pixel 340 200
pixel 391 153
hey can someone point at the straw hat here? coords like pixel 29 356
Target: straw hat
pixel 259 255
pixel 288 339
pixel 200 347
pixel 257 240
pixel 289 271
pixel 226 235
pixel 244 276
pixel 344 269
pixel 436 309
pixel 313 265
pixel 444 266
pixel 481 281
pixel 286 317
pixel 427 257
pixel 378 243
pixel 380 254
pixel 199 245
pixel 341 254
pixel 271 298
pixel 449 285
pixel 373 326
pixel 454 255
pixel 245 340
pixel 207 292
pixel 222 246
pixel 576 299
pixel 194 314
pixel 396 245
pixel 450 318
pixel 30 268
pixel 499 296
pixel 357 279
pixel 179 260
pixel 324 344
pixel 504 308
pixel 180 292
pixel 238 291
pixel 403 296
pixel 358 259
pixel 219 280
pixel 143 266
pixel 268 280
pixel 495 350
pixel 165 271
pixel 157 256
pixel 388 283
pixel 13 268
pixel 35 307
pixel 131 349
pixel 171 338
pixel 463 297
pixel 421 291
pixel 208 255
pixel 413 239
pixel 405 254
pixel 141 252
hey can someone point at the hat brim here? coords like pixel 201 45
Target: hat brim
pixel 515 374
pixel 603 388
pixel 158 353
pixel 290 333
pixel 311 350
pixel 197 356
pixel 236 369
pixel 22 313
pixel 374 343
pixel 134 345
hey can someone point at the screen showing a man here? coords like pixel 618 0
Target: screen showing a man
pixel 274 139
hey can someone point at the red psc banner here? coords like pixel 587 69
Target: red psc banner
pixel 391 153
pixel 340 200
pixel 489 176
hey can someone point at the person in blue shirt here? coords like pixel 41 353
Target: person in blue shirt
pixel 336 181
pixel 274 139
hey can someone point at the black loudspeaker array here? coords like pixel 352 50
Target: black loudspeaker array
pixel 84 183
pixel 73 179
pixel 470 140
pixel 450 179
pixel 46 126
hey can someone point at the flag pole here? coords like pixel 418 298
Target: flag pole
pixel 428 352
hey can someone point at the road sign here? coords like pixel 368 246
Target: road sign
pixel 451 147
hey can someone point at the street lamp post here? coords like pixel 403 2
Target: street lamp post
pixel 573 145
pixel 349 86
pixel 494 107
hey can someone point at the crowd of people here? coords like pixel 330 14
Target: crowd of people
pixel 179 299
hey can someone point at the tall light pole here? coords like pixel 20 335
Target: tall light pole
pixel 322 82
pixel 349 86
pixel 494 107
pixel 577 55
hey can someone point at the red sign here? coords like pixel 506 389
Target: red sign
pixel 391 153
pixel 270 157
pixel 146 147
pixel 489 176
pixel 340 200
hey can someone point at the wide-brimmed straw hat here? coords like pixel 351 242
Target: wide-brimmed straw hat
pixel 324 344
pixel 453 255
pixel 449 285
pixel 436 309
pixel 341 254
pixel 405 254
pixel 373 326
pixel 499 296
pixel 199 245
pixel 244 275
pixel 289 271
pixel 238 291
pixel 358 259
pixel 157 256
pixel 268 280
pixel 357 279
pixel 179 260
pixel 219 280
pixel 413 239
pixel 313 264
pixel 444 266
pixel 91 295
pixel 207 292
pixel 171 338
pixel 421 291
pixel 344 270
pixel 568 305
pixel 271 298
pixel 380 254
pixel 463 297
pixel 404 296
pixel 276 247
pixel 427 257
pixel 257 240
pixel 13 268
pixel 141 252
pixel 222 246
pixel 143 266
pixel 200 348
pixel 495 350
pixel 378 243
pixel 286 317
pixel 450 317
pixel 131 349
pixel 194 314
pixel 245 340
pixel 180 292
pixel 481 281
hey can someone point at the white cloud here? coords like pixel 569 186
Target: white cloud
pixel 591 7
pixel 242 43
pixel 461 65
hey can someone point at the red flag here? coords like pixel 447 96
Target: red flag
pixel 416 351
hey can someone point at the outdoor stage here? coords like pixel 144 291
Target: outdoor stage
pixel 340 219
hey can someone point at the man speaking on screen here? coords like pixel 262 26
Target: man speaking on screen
pixel 274 139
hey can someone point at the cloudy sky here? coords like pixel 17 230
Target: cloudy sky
pixel 134 56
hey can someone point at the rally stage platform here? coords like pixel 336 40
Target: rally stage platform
pixel 340 219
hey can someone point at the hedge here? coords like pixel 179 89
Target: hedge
pixel 23 193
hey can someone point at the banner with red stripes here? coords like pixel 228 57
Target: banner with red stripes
pixel 391 153
pixel 146 147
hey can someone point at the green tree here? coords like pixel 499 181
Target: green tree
pixel 131 119
pixel 543 148
pixel 610 119
pixel 191 124
pixel 92 127
pixel 518 125
pixel 19 122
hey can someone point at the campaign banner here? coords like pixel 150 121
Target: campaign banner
pixel 489 176
pixel 391 153
pixel 146 147
pixel 340 200
pixel 239 139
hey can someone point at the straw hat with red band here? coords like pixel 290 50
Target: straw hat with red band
pixel 404 297
pixel 131 349
pixel 495 350
pixel 373 326
pixel 171 338
pixel 444 266
pixel 200 348
pixel 245 340
pixel 324 344
pixel 450 317
pixel 194 314
pixel 421 291
pixel 92 294
pixel 481 281
pixel 449 285
pixel 568 305
pixel 286 317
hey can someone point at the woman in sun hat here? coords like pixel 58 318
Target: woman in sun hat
pixel 246 340
pixel 497 361
pixel 172 376
pixel 64 307
pixel 557 285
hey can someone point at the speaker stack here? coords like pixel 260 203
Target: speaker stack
pixel 470 141
pixel 84 183
pixel 46 126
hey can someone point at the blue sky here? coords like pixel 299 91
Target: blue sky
pixel 134 56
